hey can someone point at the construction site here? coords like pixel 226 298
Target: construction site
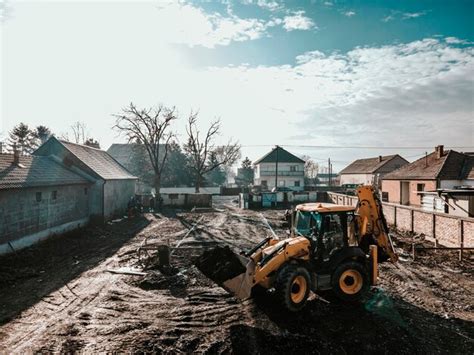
pixel 104 289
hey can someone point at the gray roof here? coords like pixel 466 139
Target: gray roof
pixel 367 165
pixel 35 171
pixel 99 161
pixel 283 156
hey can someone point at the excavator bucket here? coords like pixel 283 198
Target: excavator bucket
pixel 231 271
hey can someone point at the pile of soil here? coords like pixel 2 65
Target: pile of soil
pixel 220 264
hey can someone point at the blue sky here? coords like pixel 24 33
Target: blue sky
pixel 298 73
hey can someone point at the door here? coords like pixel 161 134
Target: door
pixel 404 192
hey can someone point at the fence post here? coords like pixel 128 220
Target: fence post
pixel 433 230
pixel 461 238
pixel 395 216
pixel 412 222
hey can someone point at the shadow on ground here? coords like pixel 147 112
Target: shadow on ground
pixel 381 325
pixel 29 275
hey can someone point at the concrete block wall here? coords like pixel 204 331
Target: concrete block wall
pixel 117 193
pixel 187 200
pixel 22 216
pixel 446 230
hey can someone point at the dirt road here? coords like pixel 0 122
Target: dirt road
pixel 59 296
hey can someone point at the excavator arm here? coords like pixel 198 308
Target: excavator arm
pixel 371 220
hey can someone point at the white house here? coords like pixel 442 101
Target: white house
pixel 290 170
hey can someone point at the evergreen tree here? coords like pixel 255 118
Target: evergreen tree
pixel 23 138
pixel 42 133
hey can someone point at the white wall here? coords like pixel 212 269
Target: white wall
pixel 284 172
pixel 364 179
pixel 449 184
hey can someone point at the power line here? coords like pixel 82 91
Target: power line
pixel 349 147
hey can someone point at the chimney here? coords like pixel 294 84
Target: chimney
pixel 16 155
pixel 380 158
pixel 439 151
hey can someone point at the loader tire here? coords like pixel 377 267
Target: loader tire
pixel 350 281
pixel 292 287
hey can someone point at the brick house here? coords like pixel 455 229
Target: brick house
pixel 39 197
pixel 113 184
pixel 290 170
pixel 370 171
pixel 439 170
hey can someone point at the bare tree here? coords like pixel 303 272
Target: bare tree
pixel 150 127
pixel 200 150
pixel 311 169
pixel 78 131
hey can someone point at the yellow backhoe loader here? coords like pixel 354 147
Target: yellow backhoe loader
pixel 331 248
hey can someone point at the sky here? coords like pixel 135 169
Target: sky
pixel 325 79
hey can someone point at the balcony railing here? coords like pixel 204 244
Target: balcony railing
pixel 282 173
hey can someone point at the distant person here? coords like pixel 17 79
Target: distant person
pixel 152 204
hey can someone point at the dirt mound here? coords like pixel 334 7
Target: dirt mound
pixel 219 264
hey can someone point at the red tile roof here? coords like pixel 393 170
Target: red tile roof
pixel 451 165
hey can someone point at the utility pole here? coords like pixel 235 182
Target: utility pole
pixel 276 169
pixel 329 171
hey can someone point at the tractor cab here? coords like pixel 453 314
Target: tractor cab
pixel 328 227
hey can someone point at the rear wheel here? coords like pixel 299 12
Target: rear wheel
pixel 292 287
pixel 350 281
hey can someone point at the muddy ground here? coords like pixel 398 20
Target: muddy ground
pixel 60 297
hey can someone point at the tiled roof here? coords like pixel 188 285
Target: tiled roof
pixel 99 161
pixel 367 166
pixel 283 157
pixel 35 171
pixel 451 166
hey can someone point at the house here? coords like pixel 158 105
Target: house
pixel 39 197
pixel 290 170
pixel 113 184
pixel 323 179
pixel 134 157
pixel 369 171
pixel 439 170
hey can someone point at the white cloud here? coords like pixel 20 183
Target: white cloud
pixel 270 5
pixel 349 13
pixel 419 93
pixel 411 15
pixel 298 21
pixel 186 24
pixel 388 18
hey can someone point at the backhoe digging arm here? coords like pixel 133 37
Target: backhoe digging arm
pixel 371 220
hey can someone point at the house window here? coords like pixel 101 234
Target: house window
pixel 38 197
pixel 293 168
pixel 297 183
pixel 54 195
pixel 264 183
pixel 85 190
pixel 384 196
pixel 173 196
pixel 420 187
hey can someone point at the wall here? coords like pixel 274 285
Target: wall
pixel 447 230
pixel 190 190
pixel 117 193
pixel 186 200
pixel 24 221
pixel 266 171
pixel 364 179
pixel 414 199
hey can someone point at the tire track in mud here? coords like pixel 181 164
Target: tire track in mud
pixel 435 291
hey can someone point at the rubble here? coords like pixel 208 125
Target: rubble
pixel 53 303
